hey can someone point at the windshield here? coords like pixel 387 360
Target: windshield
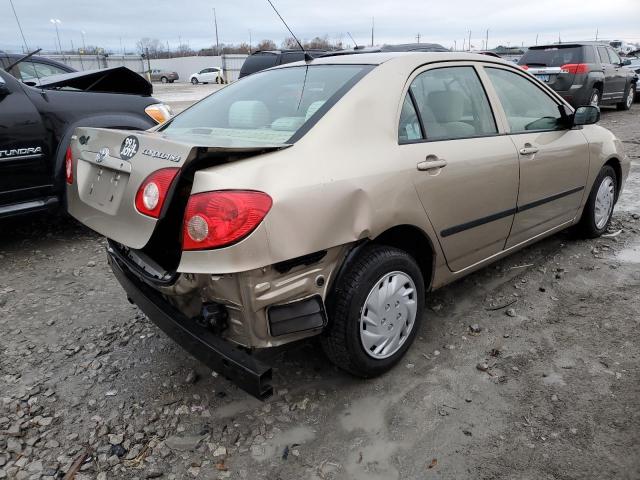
pixel 552 56
pixel 268 107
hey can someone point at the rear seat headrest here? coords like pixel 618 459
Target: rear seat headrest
pixel 447 106
pixel 248 114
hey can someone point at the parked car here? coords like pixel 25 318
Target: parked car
pixel 164 76
pixel 33 68
pixel 263 59
pixel 257 218
pixel 208 75
pixel 583 72
pixel 36 125
pixel 634 65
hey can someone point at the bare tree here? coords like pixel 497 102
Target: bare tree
pixel 266 45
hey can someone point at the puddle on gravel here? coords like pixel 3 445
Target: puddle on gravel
pixel 630 254
pixel 275 446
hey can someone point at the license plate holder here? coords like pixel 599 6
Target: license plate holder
pixel 106 187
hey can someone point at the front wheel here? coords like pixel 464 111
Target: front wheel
pixel 594 99
pixel 599 207
pixel 164 80
pixel 194 81
pixel 375 310
pixel 628 98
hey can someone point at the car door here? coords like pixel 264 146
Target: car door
pixel 620 75
pixel 553 160
pixel 609 88
pixel 466 171
pixel 24 172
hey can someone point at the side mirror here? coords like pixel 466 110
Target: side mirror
pixel 586 115
pixel 626 62
pixel 4 90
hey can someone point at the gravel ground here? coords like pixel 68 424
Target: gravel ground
pixel 545 385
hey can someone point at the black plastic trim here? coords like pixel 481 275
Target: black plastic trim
pixel 299 316
pixel 247 372
pixel 497 216
pixel 476 223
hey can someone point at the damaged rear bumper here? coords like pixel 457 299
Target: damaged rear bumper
pixel 244 370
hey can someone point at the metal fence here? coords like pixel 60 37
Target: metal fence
pixel 93 62
pixel 184 66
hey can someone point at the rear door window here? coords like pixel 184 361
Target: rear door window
pixel 613 57
pixel 526 106
pixel 452 104
pixel 603 55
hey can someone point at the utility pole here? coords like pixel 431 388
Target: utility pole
pixel 536 39
pixel 469 40
pixel 215 22
pixel 372 28
pixel 418 38
pixel 55 22
pixel 596 34
pixel 559 41
pixel 249 41
pixel 486 40
pixel 148 64
pixel 455 45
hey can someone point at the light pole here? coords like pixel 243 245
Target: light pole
pixel 56 22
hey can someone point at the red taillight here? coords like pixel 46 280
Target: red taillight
pixel 216 219
pixel 524 67
pixel 575 68
pixel 153 191
pixel 68 166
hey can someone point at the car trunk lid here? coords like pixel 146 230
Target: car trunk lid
pixel 109 166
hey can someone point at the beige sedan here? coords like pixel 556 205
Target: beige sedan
pixel 328 197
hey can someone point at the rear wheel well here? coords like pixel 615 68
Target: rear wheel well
pixel 615 164
pixel 416 243
pixel 598 86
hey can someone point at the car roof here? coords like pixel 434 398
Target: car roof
pixel 377 58
pixel 569 44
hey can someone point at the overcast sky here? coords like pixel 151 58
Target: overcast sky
pixel 110 22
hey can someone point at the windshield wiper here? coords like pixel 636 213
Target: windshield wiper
pixel 22 59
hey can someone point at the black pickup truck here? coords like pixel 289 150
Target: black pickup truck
pixel 36 124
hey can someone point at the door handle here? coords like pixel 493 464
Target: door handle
pixel 432 162
pixel 528 149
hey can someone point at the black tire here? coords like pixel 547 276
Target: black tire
pixel 595 98
pixel 194 81
pixel 629 97
pixel 164 80
pixel 587 227
pixel 217 80
pixel 341 340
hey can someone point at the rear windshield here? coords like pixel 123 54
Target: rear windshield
pixel 552 56
pixel 269 107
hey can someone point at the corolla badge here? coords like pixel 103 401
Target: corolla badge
pixel 102 154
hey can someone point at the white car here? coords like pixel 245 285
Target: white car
pixel 208 75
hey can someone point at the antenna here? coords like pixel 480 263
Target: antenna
pixel 35 70
pixel 355 44
pixel 307 57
